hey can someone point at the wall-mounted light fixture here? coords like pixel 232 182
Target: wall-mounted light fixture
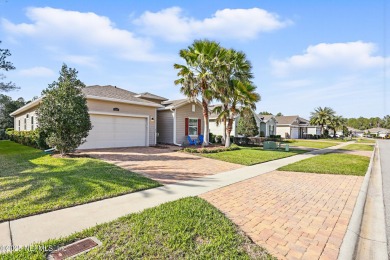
pixel 152 119
pixel 115 109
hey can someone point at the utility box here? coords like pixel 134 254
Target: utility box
pixel 287 148
pixel 269 145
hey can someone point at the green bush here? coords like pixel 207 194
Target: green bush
pixel 34 138
pixel 217 150
pixel 211 138
pixel 218 139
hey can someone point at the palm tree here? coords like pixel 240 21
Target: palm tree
pixel 197 76
pixel 322 116
pixel 241 96
pixel 335 123
pixel 234 67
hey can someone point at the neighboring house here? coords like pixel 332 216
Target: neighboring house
pixel 268 125
pixel 295 127
pixel 265 123
pixel 119 118
pixel 178 119
pixel 355 132
pixel 378 132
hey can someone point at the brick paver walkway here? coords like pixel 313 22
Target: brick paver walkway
pixel 164 165
pixel 293 215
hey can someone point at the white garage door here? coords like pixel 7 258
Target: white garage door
pixel 116 131
pixel 294 133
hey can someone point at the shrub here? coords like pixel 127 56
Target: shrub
pixel 34 138
pixel 211 138
pixel 218 139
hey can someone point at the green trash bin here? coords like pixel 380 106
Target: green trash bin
pixel 287 148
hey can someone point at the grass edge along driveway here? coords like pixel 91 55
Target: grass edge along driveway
pixel 32 182
pixel 331 163
pixel 188 228
pixel 250 156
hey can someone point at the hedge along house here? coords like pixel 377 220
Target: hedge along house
pixel 118 117
pixel 178 119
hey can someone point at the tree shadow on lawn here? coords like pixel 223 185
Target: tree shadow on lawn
pixel 34 183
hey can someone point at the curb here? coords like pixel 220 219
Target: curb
pixel 351 238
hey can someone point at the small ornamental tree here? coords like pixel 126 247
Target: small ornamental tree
pixel 247 124
pixel 6 65
pixel 63 114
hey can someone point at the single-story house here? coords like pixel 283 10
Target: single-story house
pixel 217 129
pixel 295 127
pixel 119 118
pixel 267 125
pixel 178 119
pixel 378 132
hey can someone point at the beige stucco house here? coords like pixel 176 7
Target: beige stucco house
pixel 178 119
pixel 268 125
pixel 119 118
pixel 295 127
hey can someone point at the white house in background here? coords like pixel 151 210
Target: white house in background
pixel 378 132
pixel 355 132
pixel 295 127
pixel 267 125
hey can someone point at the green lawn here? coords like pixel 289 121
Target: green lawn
pixel 251 156
pixel 331 163
pixel 359 147
pixel 189 228
pixel 32 182
pixel 311 143
pixel 367 141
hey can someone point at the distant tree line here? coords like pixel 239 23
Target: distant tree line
pixel 363 123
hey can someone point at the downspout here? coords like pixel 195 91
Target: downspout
pixel 174 127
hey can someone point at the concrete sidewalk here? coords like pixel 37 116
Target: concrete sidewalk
pixel 60 223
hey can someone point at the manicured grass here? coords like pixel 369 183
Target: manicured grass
pixel 310 143
pixel 251 156
pixel 32 182
pixel 359 147
pixel 367 141
pixel 332 164
pixel 189 228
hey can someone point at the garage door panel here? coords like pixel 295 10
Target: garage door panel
pixel 116 131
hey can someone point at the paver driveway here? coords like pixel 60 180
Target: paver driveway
pixel 163 164
pixel 293 215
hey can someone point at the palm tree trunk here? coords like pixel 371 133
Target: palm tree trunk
pixel 228 131
pixel 224 131
pixel 206 121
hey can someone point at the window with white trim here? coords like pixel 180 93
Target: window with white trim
pixel 19 125
pixel 25 124
pixel 32 123
pixel 192 126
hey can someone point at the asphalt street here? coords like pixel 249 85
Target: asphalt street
pixel 384 149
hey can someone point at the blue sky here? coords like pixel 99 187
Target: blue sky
pixel 304 53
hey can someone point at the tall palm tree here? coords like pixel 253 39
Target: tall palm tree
pixel 235 67
pixel 197 76
pixel 241 96
pixel 322 116
pixel 335 123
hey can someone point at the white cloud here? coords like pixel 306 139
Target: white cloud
pixel 82 30
pixel 346 56
pixel 172 25
pixel 81 60
pixel 37 72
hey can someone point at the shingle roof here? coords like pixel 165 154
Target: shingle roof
pixel 286 120
pixel 151 96
pixel 378 129
pixel 114 92
pixel 265 117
